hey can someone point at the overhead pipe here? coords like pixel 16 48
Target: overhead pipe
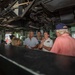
pixel 8 8
pixel 17 5
pixel 29 6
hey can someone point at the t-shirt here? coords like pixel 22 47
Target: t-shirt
pixel 48 43
pixel 64 45
pixel 30 43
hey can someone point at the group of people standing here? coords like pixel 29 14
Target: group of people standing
pixel 64 43
pixel 39 42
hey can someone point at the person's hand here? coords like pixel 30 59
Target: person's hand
pixel 32 47
pixel 42 41
pixel 26 46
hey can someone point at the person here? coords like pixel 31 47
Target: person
pixel 12 37
pixel 39 37
pixel 64 43
pixel 16 42
pixel 31 42
pixel 46 42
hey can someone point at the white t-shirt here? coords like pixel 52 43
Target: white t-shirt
pixel 30 43
pixel 48 43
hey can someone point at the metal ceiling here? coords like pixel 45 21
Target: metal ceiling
pixel 53 5
pixel 39 13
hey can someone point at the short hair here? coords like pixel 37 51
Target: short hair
pixel 11 36
pixel 30 31
pixel 15 41
pixel 62 31
pixel 46 32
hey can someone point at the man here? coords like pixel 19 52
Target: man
pixel 39 37
pixel 31 42
pixel 64 43
pixel 46 42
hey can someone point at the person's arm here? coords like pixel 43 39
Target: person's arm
pixel 26 46
pixel 36 44
pixel 34 47
pixel 24 43
pixel 56 46
pixel 41 44
pixel 47 48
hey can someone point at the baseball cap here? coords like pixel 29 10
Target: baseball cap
pixel 61 26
